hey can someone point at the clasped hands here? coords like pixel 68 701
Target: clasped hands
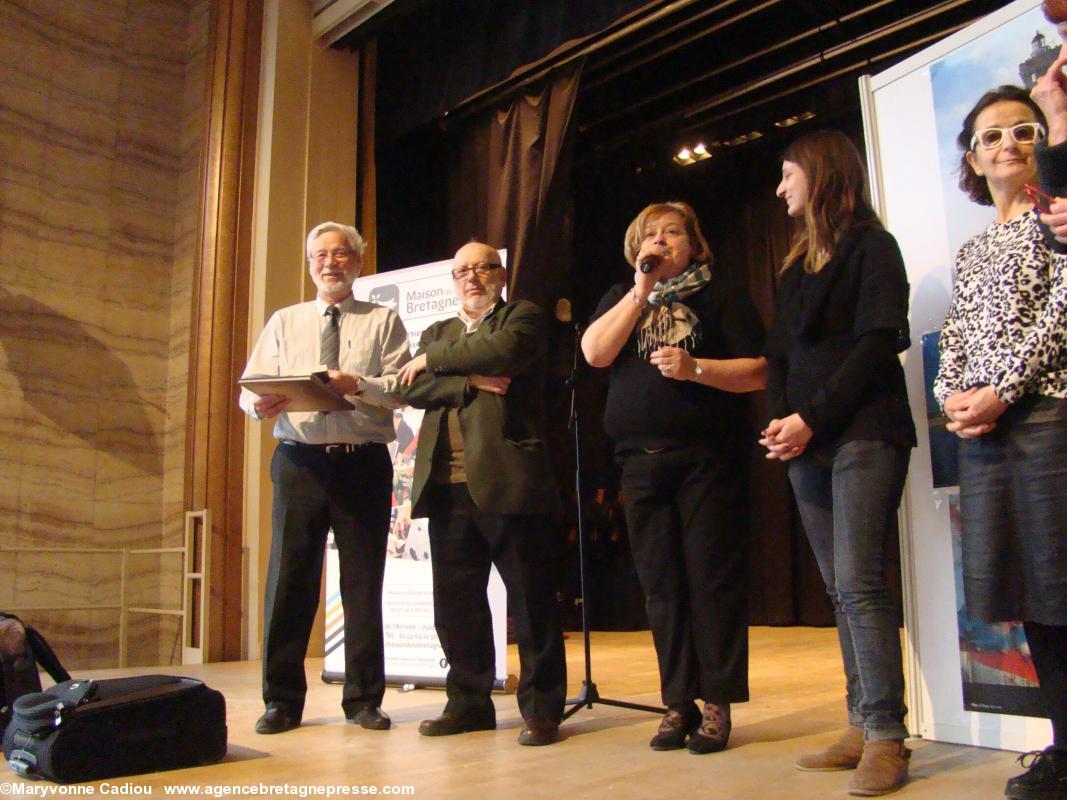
pixel 494 384
pixel 786 438
pixel 974 412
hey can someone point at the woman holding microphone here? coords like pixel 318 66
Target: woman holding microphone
pixel 682 341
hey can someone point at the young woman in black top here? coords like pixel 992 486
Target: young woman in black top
pixel 681 341
pixel 836 392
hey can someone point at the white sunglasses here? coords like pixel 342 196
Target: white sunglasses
pixel 1023 133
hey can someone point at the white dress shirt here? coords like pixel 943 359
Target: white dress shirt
pixel 374 345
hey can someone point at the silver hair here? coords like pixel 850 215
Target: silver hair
pixel 355 241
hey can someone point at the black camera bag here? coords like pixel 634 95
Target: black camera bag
pixel 93 729
pixel 21 650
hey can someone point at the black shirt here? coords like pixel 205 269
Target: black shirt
pixel 833 348
pixel 647 410
pixel 1052 173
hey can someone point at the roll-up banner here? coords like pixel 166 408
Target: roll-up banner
pixel 413 655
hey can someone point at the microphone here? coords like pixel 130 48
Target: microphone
pixel 648 263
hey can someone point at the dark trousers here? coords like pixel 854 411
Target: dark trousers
pixel 464 543
pixel 1048 649
pixel 314 491
pixel 687 513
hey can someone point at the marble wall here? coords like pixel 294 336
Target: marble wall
pixel 101 126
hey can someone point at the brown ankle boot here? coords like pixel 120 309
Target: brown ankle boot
pixel 883 768
pixel 845 753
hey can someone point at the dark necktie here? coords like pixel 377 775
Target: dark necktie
pixel 330 345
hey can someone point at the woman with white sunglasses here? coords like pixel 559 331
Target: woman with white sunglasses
pixel 1003 386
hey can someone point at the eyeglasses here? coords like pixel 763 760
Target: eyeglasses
pixel 481 269
pixel 1023 133
pixel 338 254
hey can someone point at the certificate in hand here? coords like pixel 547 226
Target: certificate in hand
pixel 305 392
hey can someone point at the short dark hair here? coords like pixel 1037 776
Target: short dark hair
pixel 971 182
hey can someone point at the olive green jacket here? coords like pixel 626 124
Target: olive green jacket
pixel 507 463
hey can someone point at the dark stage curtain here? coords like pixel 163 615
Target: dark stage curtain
pixel 751 234
pixel 509 184
pixel 443 53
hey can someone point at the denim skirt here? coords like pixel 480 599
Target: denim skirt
pixel 1013 503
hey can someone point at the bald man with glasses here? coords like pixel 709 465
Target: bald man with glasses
pixel 484 480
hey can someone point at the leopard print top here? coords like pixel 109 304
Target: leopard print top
pixel 1007 324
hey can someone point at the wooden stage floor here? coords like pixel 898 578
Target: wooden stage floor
pixel 797 705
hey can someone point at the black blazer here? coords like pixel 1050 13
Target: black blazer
pixel 832 352
pixel 507 463
pixel 1052 174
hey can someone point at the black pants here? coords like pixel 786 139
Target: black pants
pixel 687 513
pixel 1048 649
pixel 314 491
pixel 464 543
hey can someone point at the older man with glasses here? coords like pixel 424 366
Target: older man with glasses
pixel 331 469
pixel 483 477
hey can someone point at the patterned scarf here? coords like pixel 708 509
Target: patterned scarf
pixel 667 322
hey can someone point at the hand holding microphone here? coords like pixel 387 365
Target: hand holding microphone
pixel 649 257
pixel 648 261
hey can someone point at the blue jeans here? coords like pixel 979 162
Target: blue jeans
pixel 848 502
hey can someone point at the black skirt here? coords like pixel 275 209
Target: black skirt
pixel 1013 503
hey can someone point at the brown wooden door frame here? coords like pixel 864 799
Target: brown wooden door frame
pixel 218 345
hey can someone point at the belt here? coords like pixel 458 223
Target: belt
pixel 345 448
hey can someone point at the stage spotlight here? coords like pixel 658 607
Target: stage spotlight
pixel 684 157
pixel 687 156
pixel 793 120
pixel 744 137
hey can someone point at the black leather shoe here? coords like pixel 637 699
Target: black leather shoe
pixel 538 732
pixel 1045 776
pixel 449 724
pixel 371 718
pixel 277 720
pixel 675 727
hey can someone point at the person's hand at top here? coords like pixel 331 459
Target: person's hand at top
pixel 1050 94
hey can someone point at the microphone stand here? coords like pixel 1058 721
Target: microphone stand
pixel 588 693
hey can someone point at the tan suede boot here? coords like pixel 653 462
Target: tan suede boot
pixel 845 753
pixel 883 768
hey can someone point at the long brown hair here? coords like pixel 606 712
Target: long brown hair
pixel 836 196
